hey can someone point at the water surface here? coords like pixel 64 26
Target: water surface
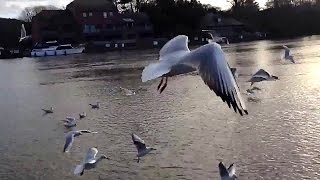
pixel 191 128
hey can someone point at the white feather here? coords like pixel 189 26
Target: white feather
pixel 154 71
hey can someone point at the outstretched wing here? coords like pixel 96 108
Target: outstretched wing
pixel 232 170
pixel 179 43
pixel 223 170
pixel 174 48
pixel 216 74
pixel 68 143
pixel 91 156
pixel 261 74
pixel 138 142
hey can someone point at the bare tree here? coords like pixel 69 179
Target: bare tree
pixel 29 12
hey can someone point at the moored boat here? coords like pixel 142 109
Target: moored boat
pixel 53 48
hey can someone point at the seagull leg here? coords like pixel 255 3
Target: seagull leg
pixel 160 83
pixel 165 84
pixel 138 160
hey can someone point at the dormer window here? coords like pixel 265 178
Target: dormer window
pixel 90 14
pixel 84 14
pixel 105 14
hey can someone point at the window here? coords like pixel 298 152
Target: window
pixel 90 14
pixel 110 13
pixel 93 28
pixel 84 14
pixel 105 14
pixel 86 28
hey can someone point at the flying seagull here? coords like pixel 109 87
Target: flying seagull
pixel 128 91
pixel 210 62
pixel 262 75
pixel 47 111
pixel 70 122
pixel 287 54
pixel 82 115
pixel 70 138
pixel 141 146
pixel 227 174
pixel 89 162
pixel 95 106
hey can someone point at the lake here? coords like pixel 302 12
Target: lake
pixel 189 125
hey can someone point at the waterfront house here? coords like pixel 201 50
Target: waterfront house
pixel 59 25
pixel 222 26
pixel 101 21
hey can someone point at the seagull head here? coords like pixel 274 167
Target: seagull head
pixel 275 77
pixel 152 149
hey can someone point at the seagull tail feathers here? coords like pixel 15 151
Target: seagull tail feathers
pixel 79 170
pixel 154 71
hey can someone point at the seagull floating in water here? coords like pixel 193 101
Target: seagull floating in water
pixel 95 106
pixel 227 174
pixel 70 138
pixel 141 146
pixel 47 111
pixel 89 162
pixel 82 115
pixel 210 62
pixel 250 91
pixel 128 91
pixel 70 122
pixel 287 54
pixel 262 75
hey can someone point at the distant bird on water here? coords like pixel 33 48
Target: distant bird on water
pixel 227 174
pixel 210 62
pixel 47 111
pixel 95 106
pixel 287 54
pixel 128 91
pixel 70 138
pixel 82 115
pixel 89 162
pixel 141 146
pixel 262 75
pixel 70 122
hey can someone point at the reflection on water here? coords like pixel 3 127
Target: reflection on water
pixel 191 128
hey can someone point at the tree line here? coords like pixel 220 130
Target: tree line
pixel 282 18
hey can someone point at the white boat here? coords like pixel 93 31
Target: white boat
pixel 53 48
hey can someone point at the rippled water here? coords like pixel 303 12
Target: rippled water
pixel 191 128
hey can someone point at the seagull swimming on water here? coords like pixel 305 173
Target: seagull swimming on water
pixel 95 106
pixel 141 146
pixel 210 62
pixel 70 138
pixel 262 75
pixel 70 122
pixel 82 115
pixel 128 91
pixel 89 162
pixel 287 54
pixel 47 111
pixel 227 174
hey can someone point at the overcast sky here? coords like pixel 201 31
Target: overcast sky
pixel 12 8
